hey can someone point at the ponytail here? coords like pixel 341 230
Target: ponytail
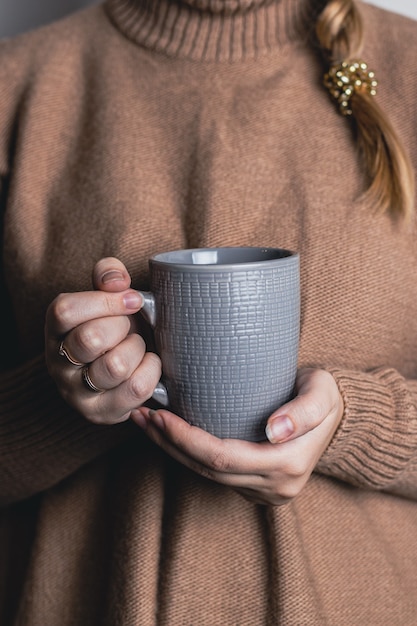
pixel 339 30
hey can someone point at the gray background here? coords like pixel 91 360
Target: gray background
pixel 17 16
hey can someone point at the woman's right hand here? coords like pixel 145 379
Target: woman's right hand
pixel 97 329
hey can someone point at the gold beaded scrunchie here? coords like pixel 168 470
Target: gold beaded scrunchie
pixel 347 78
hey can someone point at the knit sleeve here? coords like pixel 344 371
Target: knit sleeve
pixel 42 440
pixel 375 446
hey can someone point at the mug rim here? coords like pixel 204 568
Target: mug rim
pixel 285 256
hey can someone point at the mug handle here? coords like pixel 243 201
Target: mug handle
pixel 148 310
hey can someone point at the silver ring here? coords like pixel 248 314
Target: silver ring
pixel 64 352
pixel 88 382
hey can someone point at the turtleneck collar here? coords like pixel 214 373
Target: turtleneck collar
pixel 213 30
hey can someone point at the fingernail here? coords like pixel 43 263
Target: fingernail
pixel 111 277
pixel 132 300
pixel 139 419
pixel 156 419
pixel 279 429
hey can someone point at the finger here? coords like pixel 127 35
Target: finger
pixel 117 403
pixel 207 470
pixel 94 338
pixel 221 456
pixel 69 310
pixel 317 397
pixel 111 275
pixel 275 473
pixel 118 364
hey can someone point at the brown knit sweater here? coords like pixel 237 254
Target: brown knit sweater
pixel 137 127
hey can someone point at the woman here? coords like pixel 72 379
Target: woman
pixel 137 127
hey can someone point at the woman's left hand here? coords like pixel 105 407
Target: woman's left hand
pixel 268 472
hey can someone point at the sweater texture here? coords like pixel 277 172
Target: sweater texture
pixel 135 127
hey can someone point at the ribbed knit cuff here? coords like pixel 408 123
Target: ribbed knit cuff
pixel 378 432
pixel 43 440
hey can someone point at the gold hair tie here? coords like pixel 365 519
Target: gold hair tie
pixel 347 78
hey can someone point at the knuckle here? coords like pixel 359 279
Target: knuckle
pixel 291 490
pixel 142 387
pixel 205 472
pixel 110 305
pixel 309 415
pixel 61 309
pixel 90 338
pixel 297 468
pixel 95 418
pixel 117 366
pixel 315 412
pixel 219 461
pixel 286 492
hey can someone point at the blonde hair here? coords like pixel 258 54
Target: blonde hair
pixel 339 30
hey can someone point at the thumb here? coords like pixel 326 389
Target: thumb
pixel 317 397
pixel 111 275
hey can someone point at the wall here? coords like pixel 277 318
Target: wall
pixel 406 7
pixel 19 15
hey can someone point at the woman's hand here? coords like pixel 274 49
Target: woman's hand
pixel 98 328
pixel 269 472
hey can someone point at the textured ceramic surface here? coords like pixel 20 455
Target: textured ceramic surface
pixel 226 325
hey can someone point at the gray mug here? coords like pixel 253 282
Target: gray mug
pixel 226 324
